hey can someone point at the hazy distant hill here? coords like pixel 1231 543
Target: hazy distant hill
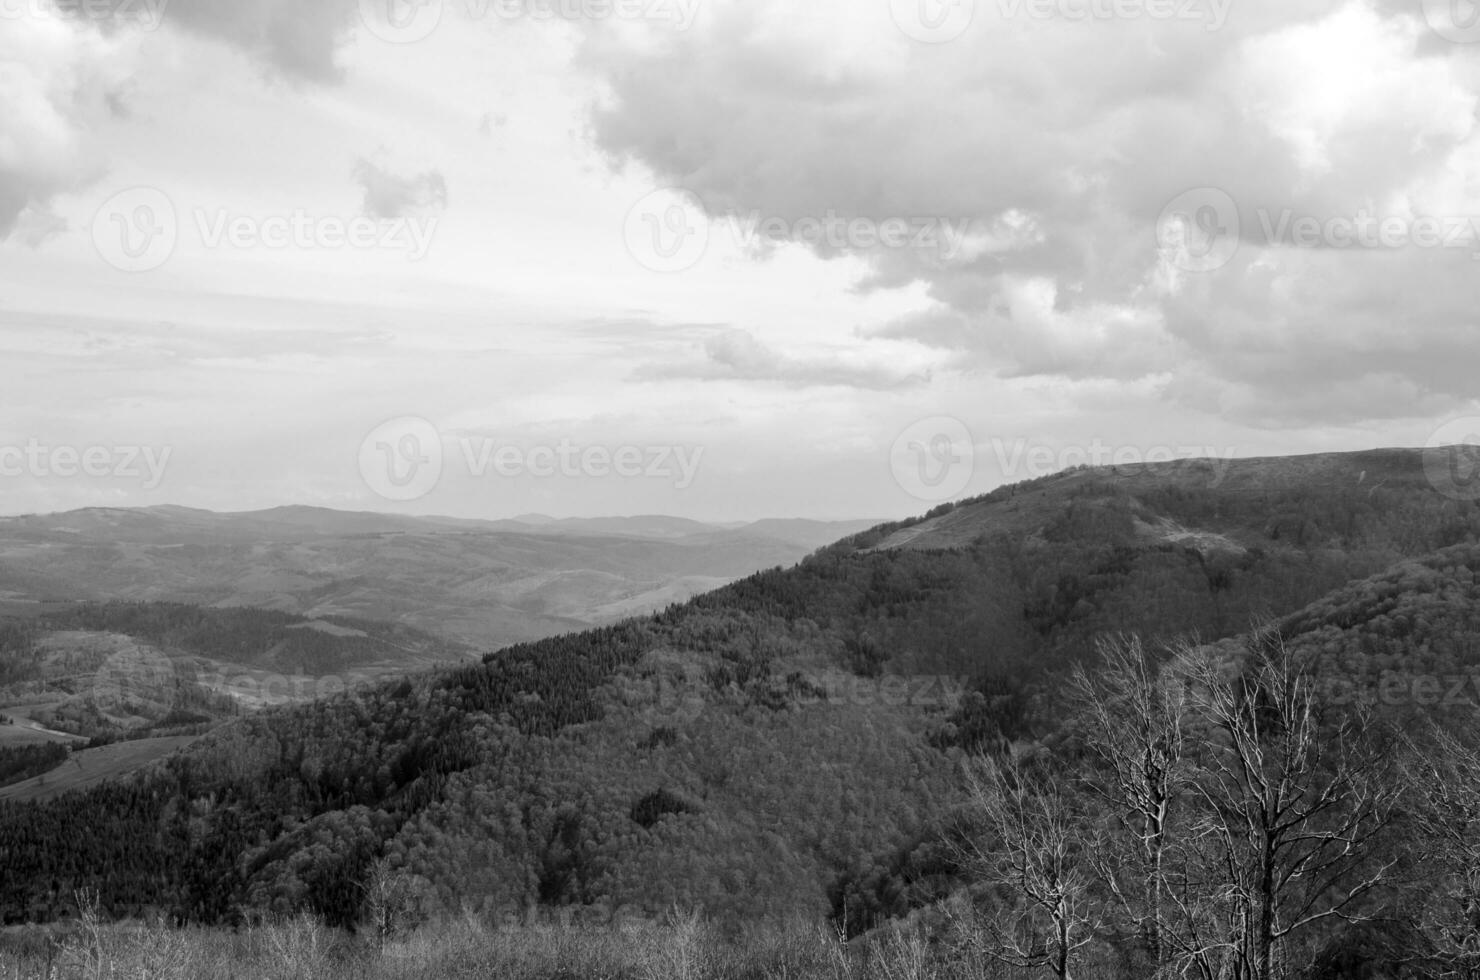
pixel 484 583
pixel 787 742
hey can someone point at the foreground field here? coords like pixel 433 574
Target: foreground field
pixel 92 766
pixel 685 947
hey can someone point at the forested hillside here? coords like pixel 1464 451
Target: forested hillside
pixel 127 669
pixel 791 742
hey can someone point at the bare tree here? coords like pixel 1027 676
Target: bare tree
pixel 1292 802
pixel 393 901
pixel 1033 848
pixel 1442 797
pixel 1133 723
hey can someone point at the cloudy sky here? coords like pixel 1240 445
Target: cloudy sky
pixel 721 258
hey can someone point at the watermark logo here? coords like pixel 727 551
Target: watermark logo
pixel 401 21
pixel 1454 20
pixel 933 21
pixel 1451 459
pixel 136 230
pixel 401 459
pixel 40 460
pixel 147 15
pixel 667 231
pixel 934 459
pixel 1199 229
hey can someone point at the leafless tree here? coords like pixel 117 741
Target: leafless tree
pixel 1442 797
pixel 1292 803
pixel 1034 849
pixel 392 903
pixel 1133 721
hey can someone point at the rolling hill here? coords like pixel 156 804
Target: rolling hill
pixel 104 671
pixel 483 583
pixel 787 743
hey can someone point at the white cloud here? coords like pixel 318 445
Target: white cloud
pixel 59 79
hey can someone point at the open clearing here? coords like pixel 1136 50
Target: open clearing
pixel 23 730
pixel 92 766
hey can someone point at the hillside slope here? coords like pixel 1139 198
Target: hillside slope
pixel 755 750
pixel 109 670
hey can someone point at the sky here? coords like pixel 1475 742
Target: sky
pixel 722 259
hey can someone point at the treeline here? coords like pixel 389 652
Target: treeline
pixel 19 661
pixel 21 762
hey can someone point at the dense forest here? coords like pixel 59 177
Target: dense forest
pixel 708 756
pixel 18 762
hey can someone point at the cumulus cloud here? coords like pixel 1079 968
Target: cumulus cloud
pixel 1068 140
pixel 58 80
pixel 298 38
pixel 389 195
pixel 64 70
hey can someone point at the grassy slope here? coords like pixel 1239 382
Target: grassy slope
pixel 89 767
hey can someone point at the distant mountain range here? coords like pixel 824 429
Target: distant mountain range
pixel 482 583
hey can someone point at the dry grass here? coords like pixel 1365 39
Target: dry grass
pixel 683 947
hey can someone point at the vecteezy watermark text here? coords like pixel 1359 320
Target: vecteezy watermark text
pixel 410 21
pixel 301 230
pixel 1201 229
pixel 670 230
pixel 138 230
pixel 940 21
pixel 807 688
pixel 1211 14
pixel 1393 688
pixel 1020 459
pixel 37 459
pixel 260 687
pixel 405 459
